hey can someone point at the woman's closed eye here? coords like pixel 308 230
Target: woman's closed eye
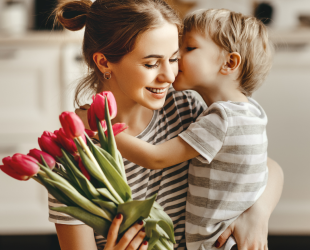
pixel 152 66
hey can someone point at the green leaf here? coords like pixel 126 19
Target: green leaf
pixel 105 193
pixel 83 202
pixel 55 192
pixel 114 177
pixel 111 140
pixel 103 139
pixel 108 205
pixel 153 240
pixel 110 159
pixel 166 243
pixel 164 221
pixel 88 164
pixel 83 182
pixel 134 210
pixel 100 225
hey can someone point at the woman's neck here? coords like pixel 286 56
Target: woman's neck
pixel 136 116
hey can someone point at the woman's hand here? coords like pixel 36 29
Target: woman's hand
pixel 250 229
pixel 133 239
pixel 82 113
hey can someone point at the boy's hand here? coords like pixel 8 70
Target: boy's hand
pixel 250 231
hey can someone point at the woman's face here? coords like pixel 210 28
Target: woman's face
pixel 144 75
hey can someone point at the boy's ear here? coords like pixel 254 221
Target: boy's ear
pixel 101 62
pixel 232 63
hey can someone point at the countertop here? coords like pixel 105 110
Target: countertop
pixel 294 36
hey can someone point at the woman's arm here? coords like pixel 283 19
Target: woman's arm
pixel 250 230
pixel 151 156
pixel 81 237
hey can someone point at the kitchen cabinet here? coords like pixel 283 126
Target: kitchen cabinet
pixel 35 72
pixel 285 97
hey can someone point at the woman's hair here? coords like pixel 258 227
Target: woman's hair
pixel 235 32
pixel 111 28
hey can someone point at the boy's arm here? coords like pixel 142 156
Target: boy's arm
pixel 151 156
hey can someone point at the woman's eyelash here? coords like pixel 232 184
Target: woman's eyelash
pixel 151 66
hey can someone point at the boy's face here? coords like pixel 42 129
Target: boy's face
pixel 200 63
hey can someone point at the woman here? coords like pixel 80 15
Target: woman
pixel 131 48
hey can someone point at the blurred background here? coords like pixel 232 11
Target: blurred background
pixel 39 69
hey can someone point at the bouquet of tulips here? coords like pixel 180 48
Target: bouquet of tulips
pixel 90 179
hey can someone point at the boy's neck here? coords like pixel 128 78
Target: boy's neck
pixel 224 91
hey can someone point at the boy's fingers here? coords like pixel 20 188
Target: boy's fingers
pixel 129 235
pixel 223 237
pixel 113 231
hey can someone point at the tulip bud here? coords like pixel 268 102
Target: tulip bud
pixel 22 165
pixel 83 169
pixel 92 120
pixel 35 153
pixel 8 169
pixel 72 124
pixel 66 142
pixel 117 128
pixel 48 143
pixel 99 105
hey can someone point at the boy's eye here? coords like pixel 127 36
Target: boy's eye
pixel 190 48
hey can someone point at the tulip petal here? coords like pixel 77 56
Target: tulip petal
pixel 10 172
pixel 24 164
pixel 35 153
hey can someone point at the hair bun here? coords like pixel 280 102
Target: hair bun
pixel 72 15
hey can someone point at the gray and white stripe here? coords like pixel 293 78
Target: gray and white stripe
pixel 231 172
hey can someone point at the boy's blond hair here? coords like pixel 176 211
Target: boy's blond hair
pixel 235 32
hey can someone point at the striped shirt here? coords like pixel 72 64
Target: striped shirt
pixel 230 173
pixel 179 111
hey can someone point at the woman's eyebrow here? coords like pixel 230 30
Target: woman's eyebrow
pixel 159 56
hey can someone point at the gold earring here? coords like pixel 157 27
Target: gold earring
pixel 107 75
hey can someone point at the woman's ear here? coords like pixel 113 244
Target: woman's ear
pixel 232 64
pixel 101 62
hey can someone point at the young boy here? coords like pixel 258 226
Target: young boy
pixel 225 56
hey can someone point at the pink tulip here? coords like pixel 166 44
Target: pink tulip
pixel 72 124
pixel 66 142
pixel 92 120
pixel 99 105
pixel 90 133
pixel 8 169
pixel 20 167
pixel 48 143
pixel 83 169
pixel 35 153
pixel 117 128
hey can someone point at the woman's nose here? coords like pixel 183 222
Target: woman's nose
pixel 168 73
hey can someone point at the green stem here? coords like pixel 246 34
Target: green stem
pixel 92 158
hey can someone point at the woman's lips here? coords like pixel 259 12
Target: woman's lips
pixel 157 93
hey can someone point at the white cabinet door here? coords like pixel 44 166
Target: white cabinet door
pixel 30 103
pixel 285 97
